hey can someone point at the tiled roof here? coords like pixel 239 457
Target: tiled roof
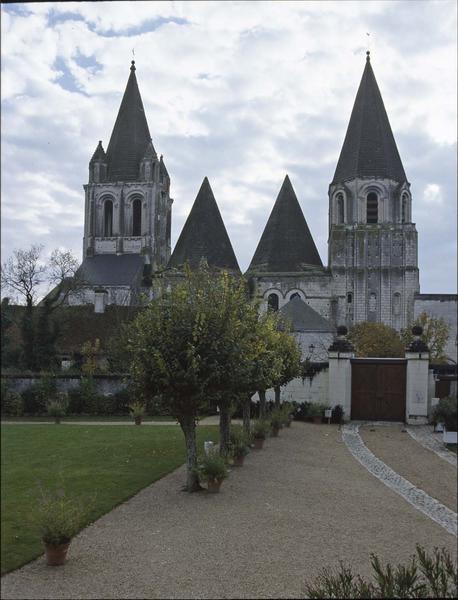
pixel 112 269
pixel 286 244
pixel 130 136
pixel 303 318
pixel 369 148
pixel 204 235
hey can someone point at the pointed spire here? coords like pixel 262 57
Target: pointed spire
pixel 130 136
pixel 204 235
pixel 369 148
pixel 99 153
pixel 286 244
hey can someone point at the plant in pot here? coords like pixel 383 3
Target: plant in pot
pixel 212 469
pixel 59 519
pixel 315 411
pixel 57 407
pixel 137 410
pixel 238 446
pixel 287 412
pixel 337 414
pixel 446 412
pixel 276 419
pixel 260 430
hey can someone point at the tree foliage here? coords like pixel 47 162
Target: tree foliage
pixel 376 340
pixel 435 335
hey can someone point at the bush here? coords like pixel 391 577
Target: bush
pixel 12 404
pixel 337 414
pixel 446 412
pixel 261 429
pixel 212 467
pixel 57 408
pixel 276 420
pixel 137 409
pixel 75 401
pixel 302 410
pixel 424 576
pixel 238 442
pixel 37 396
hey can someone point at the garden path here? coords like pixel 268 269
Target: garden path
pixel 300 504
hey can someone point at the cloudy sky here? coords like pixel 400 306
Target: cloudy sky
pixel 241 92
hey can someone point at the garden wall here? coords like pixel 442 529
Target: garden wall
pixel 106 385
pixel 300 390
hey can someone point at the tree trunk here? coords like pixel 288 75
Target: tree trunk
pixel 246 415
pixel 277 396
pixel 188 425
pixel 224 430
pixel 262 404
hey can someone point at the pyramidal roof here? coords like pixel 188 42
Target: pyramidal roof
pixel 286 244
pixel 130 136
pixel 99 153
pixel 369 148
pixel 204 235
pixel 303 318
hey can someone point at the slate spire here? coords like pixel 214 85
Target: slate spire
pixel 369 148
pixel 99 153
pixel 286 244
pixel 130 136
pixel 204 235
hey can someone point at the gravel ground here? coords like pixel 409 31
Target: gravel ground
pixel 300 504
pixel 407 457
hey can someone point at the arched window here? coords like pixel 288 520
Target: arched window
pixel 137 217
pixel 396 304
pixel 372 208
pixel 372 302
pixel 349 298
pixel 108 218
pixel 404 202
pixel 295 295
pixel 272 302
pixel 340 209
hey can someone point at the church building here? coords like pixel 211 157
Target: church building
pixel 372 272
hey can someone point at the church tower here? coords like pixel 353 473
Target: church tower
pixel 372 240
pixel 128 205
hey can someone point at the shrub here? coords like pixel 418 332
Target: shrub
pixel 261 429
pixel 302 411
pixel 37 396
pixel 316 410
pixel 238 442
pixel 121 401
pixel 137 409
pixel 286 411
pixel 12 404
pixel 424 576
pixel 57 408
pixel 446 412
pixel 212 467
pixel 58 517
pixel 337 414
pixel 75 401
pixel 276 420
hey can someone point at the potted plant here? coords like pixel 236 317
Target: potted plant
pixel 287 414
pixel 57 407
pixel 137 410
pixel 260 430
pixel 446 412
pixel 238 446
pixel 315 411
pixel 337 414
pixel 212 469
pixel 275 422
pixel 59 519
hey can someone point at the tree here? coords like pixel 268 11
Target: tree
pixel 376 339
pixel 179 345
pixel 435 335
pixel 290 356
pixel 25 273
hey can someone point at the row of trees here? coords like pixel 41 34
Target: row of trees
pixel 204 341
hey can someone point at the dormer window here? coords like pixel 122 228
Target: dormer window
pixel 372 208
pixel 108 218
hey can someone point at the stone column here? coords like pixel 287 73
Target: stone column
pixel 341 352
pixel 417 355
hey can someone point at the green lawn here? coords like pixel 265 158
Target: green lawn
pixel 113 463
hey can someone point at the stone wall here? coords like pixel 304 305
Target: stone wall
pixel 105 384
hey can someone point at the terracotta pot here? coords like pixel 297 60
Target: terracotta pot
pixel 56 555
pixel 138 420
pixel 213 485
pixel 258 443
pixel 317 420
pixel 238 460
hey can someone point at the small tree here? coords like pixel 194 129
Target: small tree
pixel 376 339
pixel 435 335
pixel 290 355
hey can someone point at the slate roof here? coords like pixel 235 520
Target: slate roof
pixel 369 148
pixel 286 244
pixel 130 136
pixel 303 318
pixel 99 153
pixel 111 269
pixel 204 235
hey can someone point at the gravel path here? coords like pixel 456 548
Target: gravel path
pixel 300 504
pixel 420 466
pixel 425 436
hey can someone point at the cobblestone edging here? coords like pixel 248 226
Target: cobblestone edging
pixel 429 506
pixel 424 436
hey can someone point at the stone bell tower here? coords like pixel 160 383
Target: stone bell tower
pixel 372 240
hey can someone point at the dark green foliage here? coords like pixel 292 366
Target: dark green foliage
pixel 12 404
pixel 28 358
pixel 446 412
pixel 302 411
pixel 337 414
pixel 45 338
pixel 38 394
pixel 6 322
pixel 423 576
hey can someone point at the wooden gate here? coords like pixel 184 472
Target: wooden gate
pixel 378 389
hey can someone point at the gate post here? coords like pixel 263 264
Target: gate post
pixel 417 355
pixel 340 353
